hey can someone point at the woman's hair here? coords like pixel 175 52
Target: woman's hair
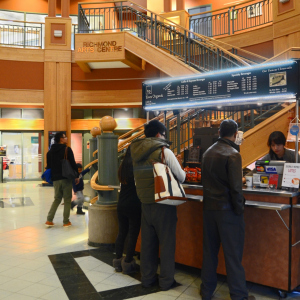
pixel 125 172
pixel 276 137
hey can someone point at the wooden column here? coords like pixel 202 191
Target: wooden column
pixel 57 73
pixel 65 8
pixel 179 4
pixel 51 8
pixel 286 30
pixel 167 5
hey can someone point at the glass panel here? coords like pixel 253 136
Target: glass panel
pixel 100 113
pixel 11 113
pixel 33 114
pixel 76 145
pixel 13 141
pixel 77 114
pixel 123 113
pixel 32 155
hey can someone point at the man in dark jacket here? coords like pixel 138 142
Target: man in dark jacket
pixel 158 220
pixel 62 185
pixel 223 219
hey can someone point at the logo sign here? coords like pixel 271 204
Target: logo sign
pixel 271 170
pixel 294 130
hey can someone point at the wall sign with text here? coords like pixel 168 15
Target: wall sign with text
pixel 239 88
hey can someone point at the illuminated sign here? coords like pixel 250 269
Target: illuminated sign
pixel 239 88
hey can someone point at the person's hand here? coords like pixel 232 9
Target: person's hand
pixel 244 180
pixel 77 180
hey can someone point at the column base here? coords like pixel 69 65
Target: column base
pixel 103 225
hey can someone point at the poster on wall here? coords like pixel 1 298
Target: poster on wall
pixel 51 135
pixel 3 150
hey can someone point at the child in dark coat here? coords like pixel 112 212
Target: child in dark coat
pixel 78 188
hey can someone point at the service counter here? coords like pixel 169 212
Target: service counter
pixel 272 237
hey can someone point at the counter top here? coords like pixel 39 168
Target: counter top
pixel 248 190
pixel 257 204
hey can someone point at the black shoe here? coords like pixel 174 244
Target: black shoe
pixel 173 285
pixel 154 283
pixel 79 211
pixel 72 205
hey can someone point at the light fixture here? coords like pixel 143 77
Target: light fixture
pixel 58 33
pixel 283 1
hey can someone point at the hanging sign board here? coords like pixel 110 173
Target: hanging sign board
pixel 292 133
pixel 239 88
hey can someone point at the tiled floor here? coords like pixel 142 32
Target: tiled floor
pixel 57 263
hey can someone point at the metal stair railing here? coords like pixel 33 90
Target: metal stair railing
pixel 201 53
pixel 232 19
pixel 208 118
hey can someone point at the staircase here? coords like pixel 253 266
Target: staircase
pixel 197 51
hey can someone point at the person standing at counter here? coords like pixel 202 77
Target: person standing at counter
pixel 158 220
pixel 223 214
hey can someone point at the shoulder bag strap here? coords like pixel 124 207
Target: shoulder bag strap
pixel 66 153
pixel 163 159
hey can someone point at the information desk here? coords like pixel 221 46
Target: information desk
pixel 272 237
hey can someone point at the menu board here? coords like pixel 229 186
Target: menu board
pixel 238 87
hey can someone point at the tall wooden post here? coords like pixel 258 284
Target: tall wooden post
pixel 57 71
pixel 179 4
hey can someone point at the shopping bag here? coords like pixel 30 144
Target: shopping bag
pixel 67 170
pixel 46 176
pixel 168 190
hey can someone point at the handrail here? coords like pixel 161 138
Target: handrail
pixel 284 51
pixel 203 36
pixel 230 9
pixel 219 9
pixel 209 41
pixel 30 22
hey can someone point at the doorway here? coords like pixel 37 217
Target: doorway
pixel 23 159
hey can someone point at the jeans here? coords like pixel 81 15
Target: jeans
pixel 62 189
pixel 129 225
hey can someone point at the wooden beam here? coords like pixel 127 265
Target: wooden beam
pixel 133 61
pixel 84 66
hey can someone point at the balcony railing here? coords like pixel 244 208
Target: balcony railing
pixel 21 35
pixel 232 19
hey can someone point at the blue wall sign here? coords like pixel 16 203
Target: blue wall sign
pixel 294 130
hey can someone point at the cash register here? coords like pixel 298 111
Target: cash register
pixel 268 173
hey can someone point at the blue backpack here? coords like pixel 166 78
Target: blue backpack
pixel 47 176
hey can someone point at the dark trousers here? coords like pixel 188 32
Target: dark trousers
pixel 158 231
pixel 229 229
pixel 62 189
pixel 129 224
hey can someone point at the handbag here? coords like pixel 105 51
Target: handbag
pixel 46 176
pixel 67 170
pixel 168 190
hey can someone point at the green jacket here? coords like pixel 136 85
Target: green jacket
pixel 143 153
